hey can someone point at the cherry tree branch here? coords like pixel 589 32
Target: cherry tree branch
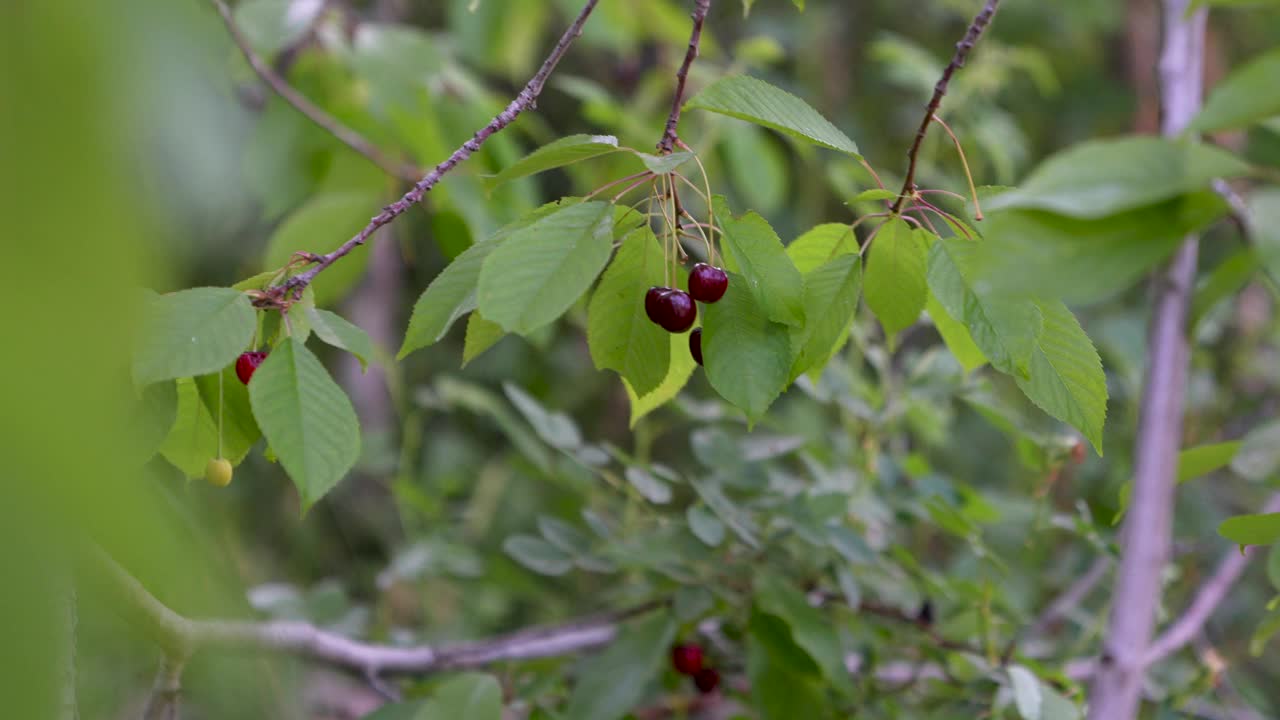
pixel 976 28
pixel 180 637
pixel 1145 538
pixel 326 122
pixel 669 135
pixel 527 98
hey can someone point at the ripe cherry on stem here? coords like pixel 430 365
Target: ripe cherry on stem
pixel 247 364
pixel 686 659
pixel 671 309
pixel 706 680
pixel 695 345
pixel 707 283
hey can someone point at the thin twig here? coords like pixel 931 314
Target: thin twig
pixel 1206 600
pixel 1071 599
pixel 527 98
pixel 326 122
pixel 1145 538
pixel 180 637
pixel 976 28
pixel 669 135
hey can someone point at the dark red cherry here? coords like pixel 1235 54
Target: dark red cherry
pixel 247 363
pixel 707 283
pixel 706 680
pixel 695 344
pixel 676 311
pixel 686 659
pixel 653 303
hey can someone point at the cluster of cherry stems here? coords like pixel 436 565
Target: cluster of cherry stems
pixel 673 310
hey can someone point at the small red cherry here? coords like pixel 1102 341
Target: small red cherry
pixel 686 659
pixel 653 303
pixel 247 363
pixel 676 311
pixel 707 283
pixel 706 680
pixel 695 345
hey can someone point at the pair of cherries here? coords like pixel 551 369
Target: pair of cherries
pixel 688 660
pixel 674 310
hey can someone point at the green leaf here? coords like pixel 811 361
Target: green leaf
pixel 1081 260
pixel 1258 458
pixel 152 415
pixel 705 525
pixel 779 688
pixel 469 696
pixel 565 151
pixel 747 98
pixel 240 430
pixel 664 164
pixel 894 279
pixel 822 244
pixel 340 333
pixel 649 486
pixel 873 194
pixel 1200 461
pixel 681 368
pixel 956 336
pixel 810 628
pixel 192 332
pixel 452 293
pixel 1065 374
pixel 1264 225
pixel 1104 177
pixel 1246 96
pixel 193 438
pixel 830 299
pixel 480 400
pixel 1263 633
pixel 757 165
pixel 1026 692
pixel 269 25
pixel 1226 279
pixel 481 335
pixel 619 333
pixel 615 681
pixel 320 226
pixel 1004 328
pixel 1055 706
pixel 555 428
pixel 753 249
pixel 1251 529
pixel 538 555
pixel 540 270
pixel 736 519
pixel 747 356
pixel 1273 567
pixel 307 419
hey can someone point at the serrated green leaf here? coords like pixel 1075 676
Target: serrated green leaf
pixel 757 165
pixel 781 689
pixel 1243 530
pixel 307 419
pixel 540 270
pixel 192 332
pixel 151 417
pixel 747 98
pixel 1026 692
pixel 830 299
pixel 239 428
pixel 481 335
pixel 615 681
pixel 564 536
pixel 538 555
pixel 822 244
pixel 555 428
pixel 320 226
pixel 729 513
pixel 810 629
pixel 894 277
pixel 1263 634
pixel 873 194
pixel 452 293
pixel 565 151
pixel 1104 177
pixel 956 336
pixel 1065 374
pixel 1004 328
pixel 1037 252
pixel 470 696
pixel 1264 225
pixel 754 250
pixel 620 335
pixel 1200 461
pixel 342 334
pixel 747 356
pixel 678 373
pixel 1244 97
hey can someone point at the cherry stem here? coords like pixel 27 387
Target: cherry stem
pixel 220 414
pixel 612 183
pixel 631 187
pixel 977 209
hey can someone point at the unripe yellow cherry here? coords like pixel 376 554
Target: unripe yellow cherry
pixel 218 472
